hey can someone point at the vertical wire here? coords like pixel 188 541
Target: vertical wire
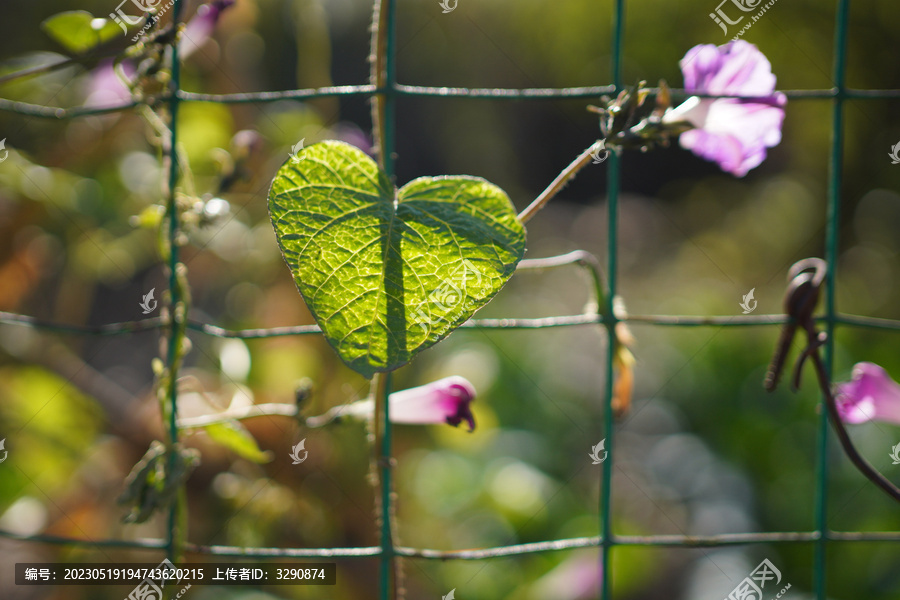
pixel 831 253
pixel 612 191
pixel 172 549
pixel 389 572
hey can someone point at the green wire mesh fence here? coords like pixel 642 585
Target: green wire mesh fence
pixel 387 90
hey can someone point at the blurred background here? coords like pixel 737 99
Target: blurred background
pixel 704 450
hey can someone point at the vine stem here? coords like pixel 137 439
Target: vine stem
pixel 378 78
pixel 567 175
pixel 177 518
pixel 850 450
pixel 585 260
pixel 245 412
pixel 381 466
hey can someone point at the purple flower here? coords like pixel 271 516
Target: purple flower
pixel 870 395
pixel 443 401
pixel 104 87
pixel 201 26
pixel 734 133
pixel 446 400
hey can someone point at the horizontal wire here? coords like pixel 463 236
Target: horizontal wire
pixel 670 541
pixel 594 91
pixel 216 331
pixel 274 96
pixel 52 112
pixel 702 321
pixel 127 327
pixel 869 322
pixel 247 552
pixel 57 540
pixel 506 93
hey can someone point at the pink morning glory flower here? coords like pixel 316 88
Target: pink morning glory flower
pixel 106 90
pixel 446 400
pixel 870 395
pixel 732 132
pixel 201 26
pixel 104 87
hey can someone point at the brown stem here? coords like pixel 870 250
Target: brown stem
pixel 558 184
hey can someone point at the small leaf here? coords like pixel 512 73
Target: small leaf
pixel 155 479
pixel 235 437
pixel 387 273
pixel 78 31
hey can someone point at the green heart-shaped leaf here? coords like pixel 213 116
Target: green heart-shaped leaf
pixel 387 273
